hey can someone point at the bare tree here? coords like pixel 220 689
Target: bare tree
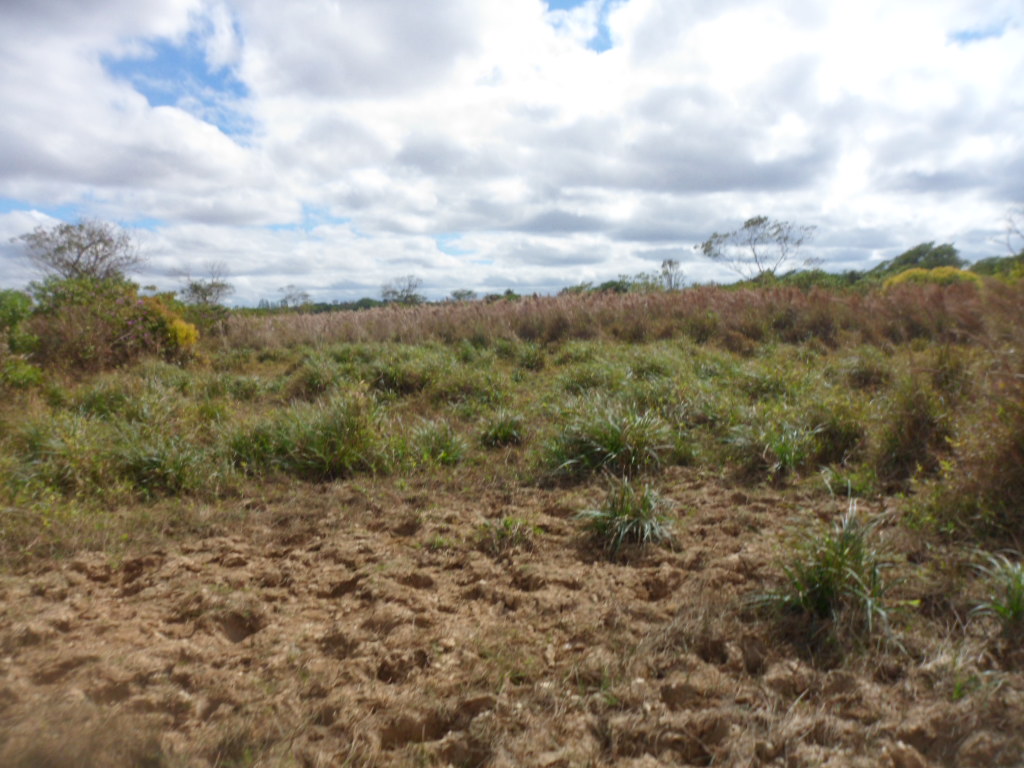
pixel 88 248
pixel 761 246
pixel 293 297
pixel 403 290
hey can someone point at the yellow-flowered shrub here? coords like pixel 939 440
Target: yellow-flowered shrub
pixel 937 276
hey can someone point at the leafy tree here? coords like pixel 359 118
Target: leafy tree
pixel 760 247
pixel 209 291
pixel 87 249
pixel 403 290
pixel 922 256
pixel 463 294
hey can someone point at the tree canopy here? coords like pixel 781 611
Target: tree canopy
pixel 86 249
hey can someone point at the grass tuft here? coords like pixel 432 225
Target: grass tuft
pixel 631 514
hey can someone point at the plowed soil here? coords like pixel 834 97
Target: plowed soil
pixel 364 624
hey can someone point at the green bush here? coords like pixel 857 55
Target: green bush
pixel 913 427
pixel 504 428
pixel 91 324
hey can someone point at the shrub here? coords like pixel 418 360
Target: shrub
pixel 936 276
pixel 609 437
pixel 95 324
pixel 630 515
pixel 321 441
pixel 979 491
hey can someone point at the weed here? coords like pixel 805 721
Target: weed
pixel 630 514
pixel 1006 594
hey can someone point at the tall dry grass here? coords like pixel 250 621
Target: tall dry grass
pixel 734 318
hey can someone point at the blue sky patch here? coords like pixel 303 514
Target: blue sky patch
pixel 178 75
pixel 448 243
pixel 602 41
pixel 63 212
pixel 968 36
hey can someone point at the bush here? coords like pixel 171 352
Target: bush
pixel 91 324
pixel 630 515
pixel 507 534
pixel 936 276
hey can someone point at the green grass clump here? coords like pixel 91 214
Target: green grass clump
pixel 437 442
pixel 1005 579
pixel 502 429
pixel 913 428
pixel 318 441
pixel 631 514
pixel 509 533
pixel 836 581
pixel 613 438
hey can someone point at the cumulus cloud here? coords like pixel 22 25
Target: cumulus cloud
pixel 337 144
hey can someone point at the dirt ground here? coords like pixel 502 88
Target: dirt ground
pixel 361 623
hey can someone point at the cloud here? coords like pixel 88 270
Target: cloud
pixel 335 144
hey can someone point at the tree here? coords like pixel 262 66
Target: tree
pixel 209 291
pixel 403 290
pixel 89 248
pixel 760 247
pixel 672 275
pixel 921 256
pixel 293 297
pixel 463 294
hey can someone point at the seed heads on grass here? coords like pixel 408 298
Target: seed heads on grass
pixel 631 514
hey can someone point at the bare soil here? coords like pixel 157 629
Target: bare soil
pixel 360 623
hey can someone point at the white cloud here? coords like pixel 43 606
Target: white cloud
pixel 885 123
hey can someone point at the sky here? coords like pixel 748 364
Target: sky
pixel 336 145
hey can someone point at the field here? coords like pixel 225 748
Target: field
pixel 709 527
